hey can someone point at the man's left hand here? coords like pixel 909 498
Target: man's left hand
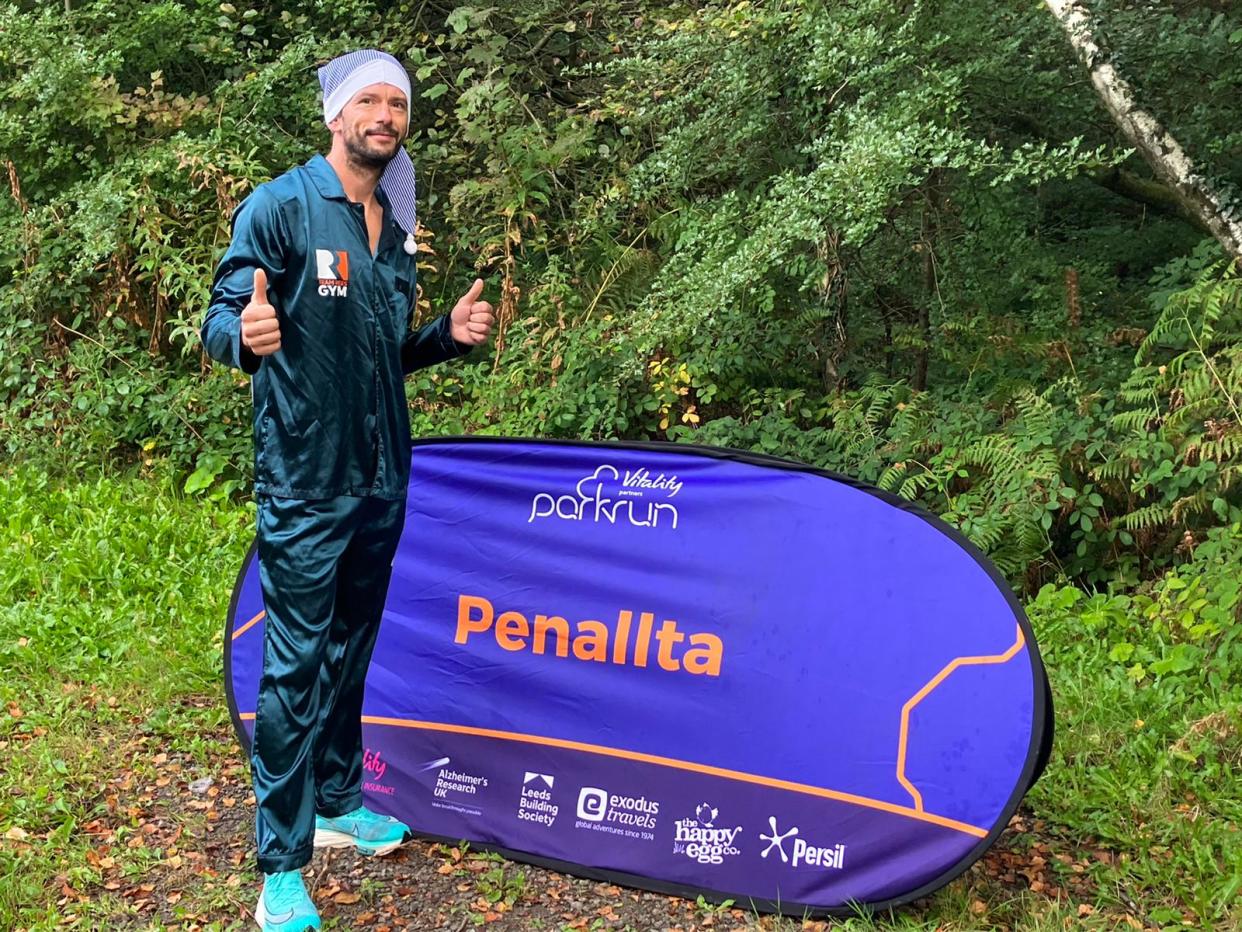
pixel 471 318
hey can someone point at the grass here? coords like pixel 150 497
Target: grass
pixel 112 598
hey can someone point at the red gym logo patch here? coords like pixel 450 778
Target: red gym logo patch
pixel 333 272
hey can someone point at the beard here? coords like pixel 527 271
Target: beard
pixel 365 154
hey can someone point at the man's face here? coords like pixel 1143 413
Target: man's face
pixel 373 124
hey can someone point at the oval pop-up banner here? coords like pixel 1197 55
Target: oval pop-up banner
pixel 692 670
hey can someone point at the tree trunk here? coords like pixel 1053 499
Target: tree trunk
pixel 927 247
pixel 1163 153
pixel 834 292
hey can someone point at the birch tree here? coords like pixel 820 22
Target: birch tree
pixel 1200 198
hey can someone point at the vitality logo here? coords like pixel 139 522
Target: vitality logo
pixel 332 269
pixel 373 769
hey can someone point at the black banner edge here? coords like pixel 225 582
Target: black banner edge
pixel 1042 728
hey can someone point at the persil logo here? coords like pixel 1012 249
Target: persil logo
pixel 332 269
pixel 611 497
pixel 804 853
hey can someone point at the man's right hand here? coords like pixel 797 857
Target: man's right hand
pixel 260 330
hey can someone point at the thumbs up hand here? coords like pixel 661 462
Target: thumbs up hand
pixel 471 318
pixel 260 330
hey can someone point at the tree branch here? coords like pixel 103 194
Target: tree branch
pixel 1198 196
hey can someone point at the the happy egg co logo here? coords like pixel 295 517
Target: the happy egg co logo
pixel 610 496
pixel 701 839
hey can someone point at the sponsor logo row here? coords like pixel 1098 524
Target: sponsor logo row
pixel 702 837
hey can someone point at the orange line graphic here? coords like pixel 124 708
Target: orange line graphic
pixel 738 775
pixel 248 625
pixel 923 694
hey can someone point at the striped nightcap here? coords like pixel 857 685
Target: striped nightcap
pixel 342 78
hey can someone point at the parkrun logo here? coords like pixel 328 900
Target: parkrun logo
pixel 592 640
pixel 629 816
pixel 333 272
pixel 700 840
pixel 597 501
pixel 803 853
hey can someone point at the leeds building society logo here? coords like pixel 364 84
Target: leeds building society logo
pixel 630 816
pixel 802 852
pixel 535 803
pixel 332 270
pixel 610 496
pixel 700 839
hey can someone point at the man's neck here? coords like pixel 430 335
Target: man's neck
pixel 358 182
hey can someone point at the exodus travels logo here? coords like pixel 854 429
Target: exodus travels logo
pixel 535 803
pixel 454 787
pixel 332 270
pixel 373 769
pixel 700 839
pixel 628 816
pixel 612 497
pixel 801 852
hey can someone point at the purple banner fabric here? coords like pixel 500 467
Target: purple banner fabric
pixel 690 669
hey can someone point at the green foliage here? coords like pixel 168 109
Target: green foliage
pixel 111 614
pixel 1176 454
pixel 809 230
pixel 1149 728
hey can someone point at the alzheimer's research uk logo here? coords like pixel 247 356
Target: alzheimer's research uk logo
pixel 332 270
pixel 611 496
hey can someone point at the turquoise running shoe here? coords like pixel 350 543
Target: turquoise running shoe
pixel 284 905
pixel 369 832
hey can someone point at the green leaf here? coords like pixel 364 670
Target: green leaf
pixel 209 467
pixel 459 19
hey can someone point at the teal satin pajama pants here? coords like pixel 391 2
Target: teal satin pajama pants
pixel 324 565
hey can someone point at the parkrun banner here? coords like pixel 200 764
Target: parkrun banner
pixel 689 669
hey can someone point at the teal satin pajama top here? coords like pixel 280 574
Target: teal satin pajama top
pixel 330 415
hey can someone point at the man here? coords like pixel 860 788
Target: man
pixel 314 299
